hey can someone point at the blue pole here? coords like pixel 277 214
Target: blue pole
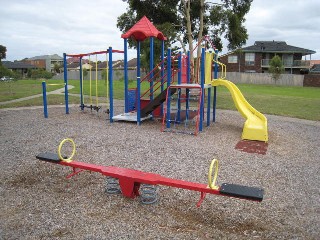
pixel 44 95
pixel 202 77
pixel 138 84
pixel 168 85
pixel 65 75
pixel 162 71
pixel 215 88
pixel 81 86
pixel 126 108
pixel 110 85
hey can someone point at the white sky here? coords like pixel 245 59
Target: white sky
pixel 38 27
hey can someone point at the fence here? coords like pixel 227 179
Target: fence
pixel 265 78
pixel 236 77
pixel 117 75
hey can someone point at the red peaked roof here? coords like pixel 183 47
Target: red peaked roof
pixel 142 30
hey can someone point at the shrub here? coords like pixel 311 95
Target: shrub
pixel 276 67
pixel 40 73
pixel 5 72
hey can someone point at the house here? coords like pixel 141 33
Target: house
pixel 76 60
pixel 256 58
pixel 46 62
pixel 19 67
pixel 75 66
pixel 315 69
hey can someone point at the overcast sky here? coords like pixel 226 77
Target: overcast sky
pixel 38 27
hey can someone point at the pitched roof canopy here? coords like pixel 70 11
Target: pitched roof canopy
pixel 276 46
pixel 142 30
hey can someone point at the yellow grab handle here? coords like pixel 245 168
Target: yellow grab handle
pixel 73 150
pixel 212 183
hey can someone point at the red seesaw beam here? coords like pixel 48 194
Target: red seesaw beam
pixel 130 180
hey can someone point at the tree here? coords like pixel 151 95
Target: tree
pixel 3 51
pixel 276 68
pixel 5 71
pixel 188 20
pixel 84 72
pixel 57 67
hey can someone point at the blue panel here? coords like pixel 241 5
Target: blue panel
pixel 132 99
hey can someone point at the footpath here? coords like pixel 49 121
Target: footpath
pixel 58 91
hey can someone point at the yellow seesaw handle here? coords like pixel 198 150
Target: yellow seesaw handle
pixel 212 183
pixel 69 159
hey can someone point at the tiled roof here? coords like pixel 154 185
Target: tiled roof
pixel 18 65
pixel 73 65
pixel 313 62
pixel 276 47
pixel 132 63
pixel 315 68
pixel 54 57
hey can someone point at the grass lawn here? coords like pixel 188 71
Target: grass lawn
pixel 298 102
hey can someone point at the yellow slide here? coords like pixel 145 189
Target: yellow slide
pixel 255 127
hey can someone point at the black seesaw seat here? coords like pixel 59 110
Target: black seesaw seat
pixel 234 190
pixel 48 157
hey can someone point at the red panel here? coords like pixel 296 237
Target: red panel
pixel 156 112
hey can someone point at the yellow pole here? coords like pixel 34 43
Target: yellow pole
pixel 97 101
pixel 90 82
pixel 82 80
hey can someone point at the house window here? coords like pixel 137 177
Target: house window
pixel 232 59
pixel 249 58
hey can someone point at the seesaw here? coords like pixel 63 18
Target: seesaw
pixel 128 181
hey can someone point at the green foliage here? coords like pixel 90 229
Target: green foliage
pixel 228 21
pixel 40 73
pixel 161 13
pixel 84 72
pixel 57 67
pixel 276 67
pixel 5 71
pixel 3 51
pixel 225 20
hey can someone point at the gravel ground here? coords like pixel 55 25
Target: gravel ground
pixel 38 202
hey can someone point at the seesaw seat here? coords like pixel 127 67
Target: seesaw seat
pixel 48 157
pixel 240 191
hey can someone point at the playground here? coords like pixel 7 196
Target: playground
pixel 39 202
pixel 267 177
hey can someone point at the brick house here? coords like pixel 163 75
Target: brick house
pixel 256 58
pixel 19 67
pixel 46 62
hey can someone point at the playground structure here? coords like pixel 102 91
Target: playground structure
pixel 171 79
pixel 109 75
pixel 128 181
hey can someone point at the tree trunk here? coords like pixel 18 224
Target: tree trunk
pixel 186 5
pixel 200 35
